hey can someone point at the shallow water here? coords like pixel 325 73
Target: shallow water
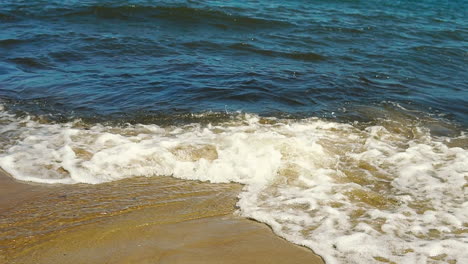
pixel 55 210
pixel 345 120
pixel 390 186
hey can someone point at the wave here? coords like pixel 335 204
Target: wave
pixel 31 63
pixel 246 47
pixel 7 17
pixel 305 56
pixel 353 192
pixel 175 14
pixel 10 42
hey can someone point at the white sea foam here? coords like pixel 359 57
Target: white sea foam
pixel 353 194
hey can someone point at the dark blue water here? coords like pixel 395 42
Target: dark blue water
pixel 135 59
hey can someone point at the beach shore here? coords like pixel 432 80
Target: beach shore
pixel 141 220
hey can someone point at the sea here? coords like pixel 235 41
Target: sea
pixel 345 120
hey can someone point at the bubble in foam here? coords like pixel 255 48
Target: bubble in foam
pixel 354 194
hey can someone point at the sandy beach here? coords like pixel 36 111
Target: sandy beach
pixel 233 132
pixel 140 220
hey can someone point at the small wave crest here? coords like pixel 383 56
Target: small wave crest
pixel 31 63
pixel 176 14
pixel 305 56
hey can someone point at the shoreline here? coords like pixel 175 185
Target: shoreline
pixel 197 226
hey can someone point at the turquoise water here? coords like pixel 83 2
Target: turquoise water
pixel 346 121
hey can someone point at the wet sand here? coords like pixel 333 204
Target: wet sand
pixel 140 220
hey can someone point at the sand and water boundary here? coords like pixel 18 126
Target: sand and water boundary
pixel 185 222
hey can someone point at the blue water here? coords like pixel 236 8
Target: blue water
pixel 345 120
pixel 135 59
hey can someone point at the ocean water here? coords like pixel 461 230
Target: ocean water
pixel 345 120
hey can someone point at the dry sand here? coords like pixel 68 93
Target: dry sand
pixel 140 220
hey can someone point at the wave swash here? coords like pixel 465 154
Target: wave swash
pixel 353 193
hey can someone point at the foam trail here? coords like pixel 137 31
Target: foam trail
pixel 387 192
